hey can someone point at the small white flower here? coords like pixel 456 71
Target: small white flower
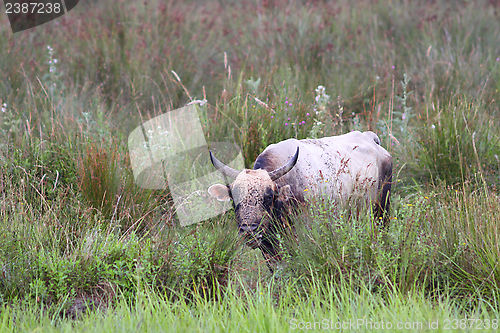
pixel 320 90
pixel 433 126
pixel 55 61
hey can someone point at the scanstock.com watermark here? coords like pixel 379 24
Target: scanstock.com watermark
pixel 27 14
pixel 355 324
pixel 369 325
pixel 171 152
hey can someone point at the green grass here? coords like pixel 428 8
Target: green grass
pixel 268 309
pixel 83 247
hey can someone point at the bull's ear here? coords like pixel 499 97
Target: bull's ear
pixel 221 192
pixel 285 193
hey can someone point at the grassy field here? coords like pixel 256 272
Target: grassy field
pixel 83 248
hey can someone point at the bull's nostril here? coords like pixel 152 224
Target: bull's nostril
pixel 249 227
pixel 245 228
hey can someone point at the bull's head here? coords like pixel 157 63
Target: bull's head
pixel 256 197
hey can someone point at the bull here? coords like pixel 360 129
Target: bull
pixel 351 169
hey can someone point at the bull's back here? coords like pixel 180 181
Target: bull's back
pixel 343 167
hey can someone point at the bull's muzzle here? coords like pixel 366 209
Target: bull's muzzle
pixel 252 234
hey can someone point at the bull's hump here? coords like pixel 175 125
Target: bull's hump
pixel 276 155
pixel 266 161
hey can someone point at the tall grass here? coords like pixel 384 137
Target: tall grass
pixel 78 234
pixel 324 308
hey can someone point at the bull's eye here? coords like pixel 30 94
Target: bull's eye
pixel 268 198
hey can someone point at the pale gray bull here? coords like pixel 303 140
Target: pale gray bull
pixel 350 169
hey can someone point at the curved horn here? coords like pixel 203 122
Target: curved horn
pixel 280 172
pixel 228 171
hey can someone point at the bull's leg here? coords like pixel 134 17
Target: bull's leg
pixel 381 212
pixel 271 261
pixel 271 256
pixel 382 207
